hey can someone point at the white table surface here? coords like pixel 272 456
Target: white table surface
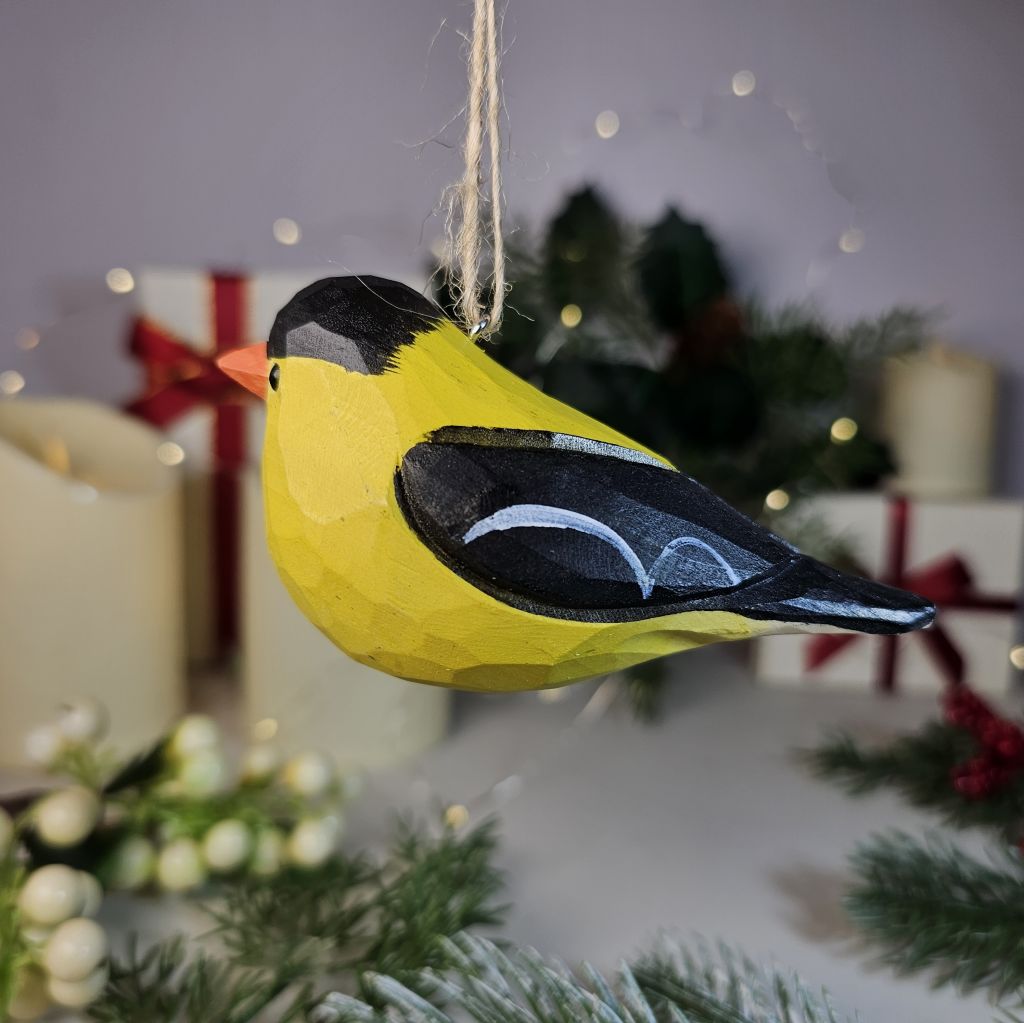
pixel 702 824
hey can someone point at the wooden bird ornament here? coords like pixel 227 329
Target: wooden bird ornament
pixel 444 521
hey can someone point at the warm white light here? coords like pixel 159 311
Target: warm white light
pixel 456 816
pixel 286 231
pixel 552 695
pixel 27 339
pixel 607 124
pixel 743 83
pixel 776 500
pixel 11 382
pixel 120 281
pixel 571 315
pixel 843 430
pixel 264 730
pixel 1017 657
pixel 851 240
pixel 170 453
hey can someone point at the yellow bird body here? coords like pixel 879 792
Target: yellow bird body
pixel 444 521
pixel 359 572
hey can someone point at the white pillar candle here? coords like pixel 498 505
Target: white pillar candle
pixel 304 691
pixel 939 409
pixel 90 571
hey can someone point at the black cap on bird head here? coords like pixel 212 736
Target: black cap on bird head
pixel 359 323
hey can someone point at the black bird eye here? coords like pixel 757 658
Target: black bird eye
pixel 275 376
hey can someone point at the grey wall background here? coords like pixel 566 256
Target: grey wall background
pixel 149 131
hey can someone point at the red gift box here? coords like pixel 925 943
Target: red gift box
pixel 186 317
pixel 963 555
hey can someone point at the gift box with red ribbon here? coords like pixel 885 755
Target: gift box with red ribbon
pixel 185 318
pixel 965 556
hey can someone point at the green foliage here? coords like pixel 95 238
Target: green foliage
pixel 481 982
pixel 679 270
pixel 919 767
pixel 284 938
pixel 933 908
pixel 645 690
pixel 12 945
pixel 927 905
pixel 165 984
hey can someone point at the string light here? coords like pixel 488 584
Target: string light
pixel 606 124
pixel 851 240
pixel 11 382
pixel 456 816
pixel 1017 656
pixel 776 500
pixel 571 315
pixel 120 281
pixel 743 83
pixel 843 429
pixel 286 231
pixel 265 729
pixel 170 453
pixel 552 695
pixel 27 339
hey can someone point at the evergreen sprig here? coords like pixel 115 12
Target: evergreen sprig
pixel 164 984
pixel 285 939
pixel 931 907
pixel 483 983
pixel 12 943
pixel 919 767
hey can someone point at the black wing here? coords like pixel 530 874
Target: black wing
pixel 572 528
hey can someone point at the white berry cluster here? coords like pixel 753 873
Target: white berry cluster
pixel 66 950
pixel 188 817
pixel 181 858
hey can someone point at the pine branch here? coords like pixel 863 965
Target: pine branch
pixel 284 938
pixel 164 985
pixel 919 767
pixel 932 908
pixel 481 982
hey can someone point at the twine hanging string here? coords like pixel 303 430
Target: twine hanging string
pixel 483 114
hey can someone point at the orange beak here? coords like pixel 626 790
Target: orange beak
pixel 247 366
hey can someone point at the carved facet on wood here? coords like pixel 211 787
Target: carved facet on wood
pixel 440 519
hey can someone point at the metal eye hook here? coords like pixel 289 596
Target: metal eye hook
pixel 481 326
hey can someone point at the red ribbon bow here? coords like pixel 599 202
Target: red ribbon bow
pixel 178 379
pixel 947 583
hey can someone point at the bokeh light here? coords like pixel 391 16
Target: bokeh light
pixel 286 231
pixel 743 83
pixel 11 382
pixel 851 240
pixel 170 453
pixel 571 315
pixel 777 499
pixel 27 339
pixel 120 280
pixel 843 429
pixel 606 124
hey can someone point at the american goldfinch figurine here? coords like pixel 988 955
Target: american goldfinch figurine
pixel 444 521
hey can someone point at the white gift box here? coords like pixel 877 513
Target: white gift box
pixel 987 538
pixel 179 302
